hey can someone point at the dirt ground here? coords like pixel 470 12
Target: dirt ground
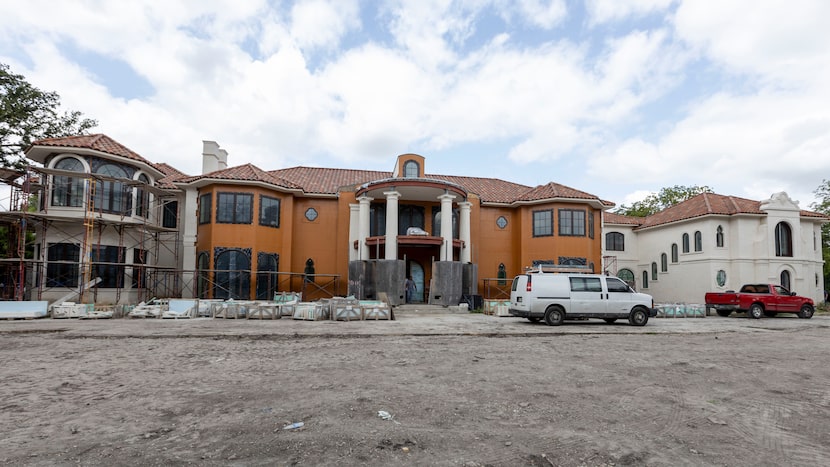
pixel 466 390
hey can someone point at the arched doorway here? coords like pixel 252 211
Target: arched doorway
pixel 417 273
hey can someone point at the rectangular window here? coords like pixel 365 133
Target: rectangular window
pixel 591 225
pixel 170 214
pixel 62 267
pixel 585 284
pixel 108 264
pixel 234 208
pixel 67 191
pixel 269 211
pixel 571 223
pixel 205 208
pixel 543 223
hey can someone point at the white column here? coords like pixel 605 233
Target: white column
pixel 446 226
pixel 363 230
pixel 392 224
pixel 354 231
pixel 464 230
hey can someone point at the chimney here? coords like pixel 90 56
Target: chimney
pixel 211 157
pixel 223 159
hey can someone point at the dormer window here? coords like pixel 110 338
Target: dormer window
pixel 411 169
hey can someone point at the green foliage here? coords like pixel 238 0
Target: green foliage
pixel 666 197
pixel 823 206
pixel 28 114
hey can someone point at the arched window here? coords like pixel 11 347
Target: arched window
pixel 685 243
pixel 785 279
pixel 645 279
pixel 233 275
pixel 654 271
pixel 614 241
pixel 267 265
pixel 626 275
pixel 68 191
pixel 719 237
pixel 142 198
pixel 411 169
pixel 664 262
pixel 674 253
pixel 783 240
pixel 698 241
pixel 202 265
pixel 111 195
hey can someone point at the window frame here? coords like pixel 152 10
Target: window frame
pixel 783 240
pixel 262 211
pixel 229 212
pixel 205 208
pixel 675 255
pixel 611 242
pixel 567 219
pixel 719 239
pixel 406 169
pixel 170 214
pixel 542 230
pixel 685 242
pixel 698 241
pixel 68 191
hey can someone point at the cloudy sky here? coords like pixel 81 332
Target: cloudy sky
pixel 613 97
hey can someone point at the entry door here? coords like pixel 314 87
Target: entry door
pixel 417 273
pixel 586 295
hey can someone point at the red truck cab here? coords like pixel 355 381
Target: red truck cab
pixel 759 300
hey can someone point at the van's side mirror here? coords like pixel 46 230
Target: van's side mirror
pixel 793 293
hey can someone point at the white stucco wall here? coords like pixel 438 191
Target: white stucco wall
pixel 748 253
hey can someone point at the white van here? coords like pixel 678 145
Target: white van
pixel 557 297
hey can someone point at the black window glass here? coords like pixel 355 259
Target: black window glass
pixel 234 208
pixel 269 211
pixel 543 223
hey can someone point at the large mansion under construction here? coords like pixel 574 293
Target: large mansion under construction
pixel 93 221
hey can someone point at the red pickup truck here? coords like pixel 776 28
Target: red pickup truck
pixel 759 300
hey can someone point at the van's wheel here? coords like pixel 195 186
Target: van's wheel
pixel 638 317
pixel 534 320
pixel 724 313
pixel 756 311
pixel 554 316
pixel 610 320
pixel 806 312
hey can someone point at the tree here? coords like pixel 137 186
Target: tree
pixel 823 206
pixel 666 197
pixel 28 114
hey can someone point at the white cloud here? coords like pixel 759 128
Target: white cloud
pixel 602 11
pixel 321 23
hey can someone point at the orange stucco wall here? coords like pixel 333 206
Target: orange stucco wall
pixel 326 238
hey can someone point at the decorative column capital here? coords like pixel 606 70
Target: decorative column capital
pixel 392 194
pixel 365 199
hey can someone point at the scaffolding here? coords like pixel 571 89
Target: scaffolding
pixel 30 229
pixel 28 273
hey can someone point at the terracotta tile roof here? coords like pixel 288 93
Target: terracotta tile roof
pixel 171 174
pixel 246 172
pixel 491 190
pixel 702 205
pixel 614 218
pixel 98 142
pixel 321 180
pixel 555 190
pixel 328 181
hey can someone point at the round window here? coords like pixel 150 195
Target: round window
pixel 721 278
pixel 311 214
pixel 501 222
